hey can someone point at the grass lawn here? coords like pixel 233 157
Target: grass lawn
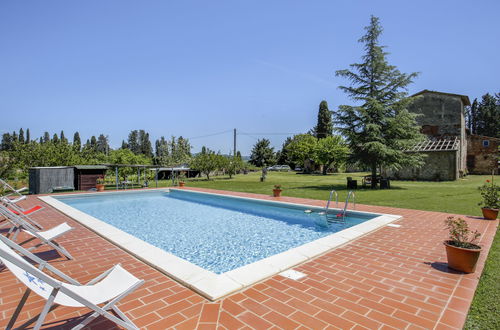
pixel 459 197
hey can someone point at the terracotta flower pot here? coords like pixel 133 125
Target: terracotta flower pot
pixel 489 214
pixel 181 184
pixel 461 259
pixel 277 192
pixel 99 187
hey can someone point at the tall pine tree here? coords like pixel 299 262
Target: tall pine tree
pixel 324 127
pixel 28 137
pixel 379 127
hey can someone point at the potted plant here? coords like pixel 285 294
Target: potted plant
pixel 461 251
pixel 182 178
pixel 100 184
pixel 277 190
pixel 491 199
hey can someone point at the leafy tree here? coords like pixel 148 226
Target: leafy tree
pixel 55 138
pixel 487 116
pixel 7 143
pixel 262 153
pixel 133 143
pixel 126 156
pixel 28 137
pixel 6 164
pixel 162 152
pixel 77 142
pixel 232 165
pixel 102 144
pixel 145 144
pixel 183 150
pixel 302 148
pixel 324 127
pixel 206 162
pixel 380 128
pixel 21 135
pixel 283 156
pixel 329 151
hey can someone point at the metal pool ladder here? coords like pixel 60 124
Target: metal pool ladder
pixel 330 199
pixel 344 211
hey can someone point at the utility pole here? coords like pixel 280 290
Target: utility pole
pixel 234 144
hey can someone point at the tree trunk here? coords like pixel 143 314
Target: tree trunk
pixel 325 168
pixel 374 175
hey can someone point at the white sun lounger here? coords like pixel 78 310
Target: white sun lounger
pixel 25 214
pixel 107 289
pixel 46 237
pixel 12 192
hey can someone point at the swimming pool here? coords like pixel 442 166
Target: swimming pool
pixel 214 232
pixel 213 243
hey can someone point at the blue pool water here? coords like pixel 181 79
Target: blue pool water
pixel 214 232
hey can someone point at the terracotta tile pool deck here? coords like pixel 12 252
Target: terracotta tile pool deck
pixel 392 278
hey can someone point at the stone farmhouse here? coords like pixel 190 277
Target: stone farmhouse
pixel 451 151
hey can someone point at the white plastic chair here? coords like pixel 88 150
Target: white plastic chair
pixel 46 237
pixel 107 289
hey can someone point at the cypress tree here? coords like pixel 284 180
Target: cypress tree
pixel 324 127
pixel 55 138
pixel 21 135
pixel 124 145
pixel 133 143
pixel 77 142
pixel 93 143
pixel 46 137
pixel 63 138
pixel 28 138
pixel 379 127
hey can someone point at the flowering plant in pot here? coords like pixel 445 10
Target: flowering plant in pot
pixel 490 192
pixel 461 250
pixel 100 184
pixel 277 190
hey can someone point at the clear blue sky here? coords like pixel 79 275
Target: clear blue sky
pixel 193 68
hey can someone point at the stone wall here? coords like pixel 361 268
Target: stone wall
pixel 482 156
pixel 439 115
pixel 442 116
pixel 438 166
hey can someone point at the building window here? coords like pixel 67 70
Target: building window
pixel 486 143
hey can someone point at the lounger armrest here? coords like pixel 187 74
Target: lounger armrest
pixel 22 189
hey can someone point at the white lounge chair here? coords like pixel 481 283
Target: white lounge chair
pixel 107 289
pixel 46 237
pixel 14 195
pixel 23 213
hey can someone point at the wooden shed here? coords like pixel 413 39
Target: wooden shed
pixel 87 175
pixel 44 180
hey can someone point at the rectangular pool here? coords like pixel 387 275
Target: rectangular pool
pixel 214 243
pixel 214 232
